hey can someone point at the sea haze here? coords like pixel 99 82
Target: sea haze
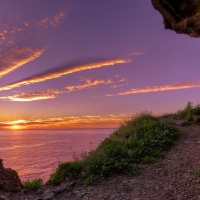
pixel 37 153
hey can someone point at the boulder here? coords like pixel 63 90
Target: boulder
pixel 181 16
pixel 9 179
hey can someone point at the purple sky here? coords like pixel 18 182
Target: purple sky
pixel 90 63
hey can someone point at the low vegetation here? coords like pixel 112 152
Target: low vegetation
pixel 187 113
pixel 33 184
pixel 138 140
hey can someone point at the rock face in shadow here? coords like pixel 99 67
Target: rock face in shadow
pixel 9 179
pixel 182 16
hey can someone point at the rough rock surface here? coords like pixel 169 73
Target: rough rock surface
pixel 196 118
pixel 9 179
pixel 176 176
pixel 182 16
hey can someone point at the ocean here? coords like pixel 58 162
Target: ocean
pixel 37 153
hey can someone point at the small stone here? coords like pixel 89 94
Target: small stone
pixel 58 190
pixel 179 197
pixel 3 197
pixel 79 195
pixel 7 194
pixel 90 188
pixel 47 191
pixel 68 194
pixel 112 196
pixel 25 191
pixel 39 191
pixel 75 192
pixel 156 188
pixel 72 184
pixel 48 196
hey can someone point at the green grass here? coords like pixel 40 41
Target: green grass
pixel 33 184
pixel 138 140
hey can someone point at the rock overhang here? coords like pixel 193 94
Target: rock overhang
pixel 181 16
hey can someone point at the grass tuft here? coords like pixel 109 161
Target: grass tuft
pixel 33 184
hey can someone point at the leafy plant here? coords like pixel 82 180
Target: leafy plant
pixel 33 184
pixel 66 169
pixel 147 159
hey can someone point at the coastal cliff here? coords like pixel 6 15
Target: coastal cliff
pixel 9 179
pixel 181 16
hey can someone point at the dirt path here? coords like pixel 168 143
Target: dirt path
pixel 174 177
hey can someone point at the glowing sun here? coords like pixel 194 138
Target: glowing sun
pixel 15 127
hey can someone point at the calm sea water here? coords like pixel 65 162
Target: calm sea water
pixel 36 154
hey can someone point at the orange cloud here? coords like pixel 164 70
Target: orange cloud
pixel 13 58
pixel 22 41
pixel 63 70
pixel 90 82
pixel 33 96
pixel 11 30
pixel 54 20
pixel 122 80
pixel 176 86
pixel 87 121
pixel 116 86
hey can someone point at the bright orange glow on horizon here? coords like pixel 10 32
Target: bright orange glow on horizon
pixel 71 122
pixel 15 127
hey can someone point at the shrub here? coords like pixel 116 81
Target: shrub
pixel 33 184
pixel 188 112
pixel 66 169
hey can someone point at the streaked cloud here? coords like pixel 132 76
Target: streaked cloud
pixel 121 85
pixel 136 53
pixel 53 93
pixel 33 96
pixel 90 82
pixel 13 58
pixel 176 86
pixel 22 40
pixel 122 80
pixel 64 70
pixel 86 121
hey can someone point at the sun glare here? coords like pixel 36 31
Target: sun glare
pixel 15 127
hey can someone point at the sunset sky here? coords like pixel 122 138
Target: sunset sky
pixel 90 63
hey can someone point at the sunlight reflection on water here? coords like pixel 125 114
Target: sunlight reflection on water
pixel 36 154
